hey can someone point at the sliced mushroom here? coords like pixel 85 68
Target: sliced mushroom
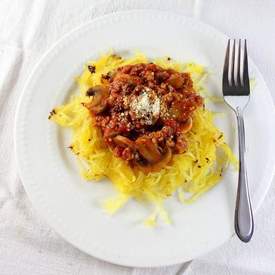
pixel 176 80
pixel 123 142
pixel 127 154
pixel 181 144
pixel 99 108
pixel 186 126
pixel 98 103
pixel 98 93
pixel 166 158
pixel 96 109
pixel 110 132
pixel 148 149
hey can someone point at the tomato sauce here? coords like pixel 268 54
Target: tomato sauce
pixel 144 113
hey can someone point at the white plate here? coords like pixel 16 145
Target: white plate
pixel 72 206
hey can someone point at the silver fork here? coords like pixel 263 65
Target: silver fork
pixel 236 92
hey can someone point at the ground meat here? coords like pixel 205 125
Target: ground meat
pixel 148 107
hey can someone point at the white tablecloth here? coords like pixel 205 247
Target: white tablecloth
pixel 27 28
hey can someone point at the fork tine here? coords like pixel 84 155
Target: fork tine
pixel 245 67
pixel 238 82
pixel 233 64
pixel 226 65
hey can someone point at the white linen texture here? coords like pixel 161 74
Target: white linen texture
pixel 28 28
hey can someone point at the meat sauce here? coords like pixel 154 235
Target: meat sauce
pixel 144 112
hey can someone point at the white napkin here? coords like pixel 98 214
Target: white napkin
pixel 27 28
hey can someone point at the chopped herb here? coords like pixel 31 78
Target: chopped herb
pixel 168 58
pixel 116 56
pixel 53 112
pixel 207 159
pixel 220 136
pixel 91 68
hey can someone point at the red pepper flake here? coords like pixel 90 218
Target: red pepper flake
pixel 91 68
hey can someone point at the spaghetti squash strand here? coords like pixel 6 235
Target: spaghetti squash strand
pixel 194 171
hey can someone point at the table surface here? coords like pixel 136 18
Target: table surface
pixel 27 28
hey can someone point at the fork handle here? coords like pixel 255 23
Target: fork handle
pixel 244 224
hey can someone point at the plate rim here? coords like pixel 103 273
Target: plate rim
pixel 42 58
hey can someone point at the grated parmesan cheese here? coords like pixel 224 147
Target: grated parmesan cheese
pixel 146 106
